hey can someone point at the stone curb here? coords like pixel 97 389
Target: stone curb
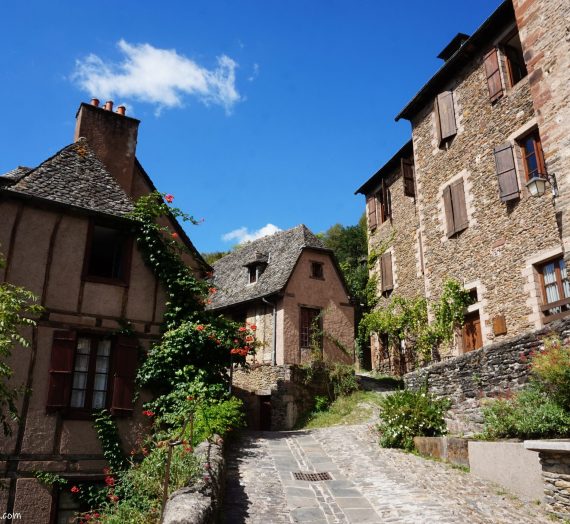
pixel 199 503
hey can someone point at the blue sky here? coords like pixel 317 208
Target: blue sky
pixel 253 112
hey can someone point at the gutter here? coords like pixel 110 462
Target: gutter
pixel 274 339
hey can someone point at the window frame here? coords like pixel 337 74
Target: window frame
pixel 537 151
pixel 504 46
pixel 320 274
pixel 545 307
pixel 126 258
pixel 309 333
pixel 86 412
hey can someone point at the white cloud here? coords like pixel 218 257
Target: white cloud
pixel 242 234
pixel 254 74
pixel 158 76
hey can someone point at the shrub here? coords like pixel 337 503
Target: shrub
pixel 551 371
pixel 529 414
pixel 407 414
pixel 321 403
pixel 340 379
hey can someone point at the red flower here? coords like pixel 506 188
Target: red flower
pixel 169 198
pixel 218 342
pixel 200 327
pixel 148 413
pixel 249 338
pixel 242 328
pixel 110 481
pixel 113 498
pixel 253 327
pixel 174 235
pixel 213 290
pixel 234 351
pixel 188 449
pixel 75 489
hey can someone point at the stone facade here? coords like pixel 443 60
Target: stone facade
pixel 499 250
pixel 284 387
pixel 493 371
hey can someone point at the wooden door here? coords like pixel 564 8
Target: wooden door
pixel 472 337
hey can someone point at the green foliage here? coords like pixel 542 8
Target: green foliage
pixel 528 414
pixel 108 434
pixel 214 256
pixel 321 403
pixel 551 371
pixel 407 414
pixel 50 480
pixel 218 417
pixel 404 319
pixel 17 307
pixel 340 379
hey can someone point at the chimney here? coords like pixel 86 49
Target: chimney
pixel 112 136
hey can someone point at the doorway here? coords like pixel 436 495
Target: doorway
pixel 265 412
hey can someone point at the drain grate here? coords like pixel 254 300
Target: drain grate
pixel 311 477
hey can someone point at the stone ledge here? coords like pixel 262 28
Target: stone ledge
pixel 549 445
pixel 199 503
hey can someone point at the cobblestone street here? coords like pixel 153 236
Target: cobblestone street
pixel 368 484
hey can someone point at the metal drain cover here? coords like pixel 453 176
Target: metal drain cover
pixel 311 477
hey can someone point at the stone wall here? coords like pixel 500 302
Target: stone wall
pixel 290 396
pixel 492 371
pixel 497 251
pixel 200 502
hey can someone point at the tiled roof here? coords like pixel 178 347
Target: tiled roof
pixel 278 253
pixel 74 176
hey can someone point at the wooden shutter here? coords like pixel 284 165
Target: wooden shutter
pixel 385 204
pixel 493 75
pixel 449 222
pixel 407 169
pixel 446 115
pixel 125 363
pixel 61 369
pixel 371 207
pixel 459 206
pixel 386 272
pixel 506 172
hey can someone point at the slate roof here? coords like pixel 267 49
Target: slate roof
pixel 73 176
pixel 279 252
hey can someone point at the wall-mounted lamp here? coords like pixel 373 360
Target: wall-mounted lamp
pixel 537 185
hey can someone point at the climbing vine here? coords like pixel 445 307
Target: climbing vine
pixel 406 320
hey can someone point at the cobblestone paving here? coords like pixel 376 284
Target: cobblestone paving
pixel 369 484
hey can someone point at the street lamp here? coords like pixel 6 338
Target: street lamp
pixel 537 185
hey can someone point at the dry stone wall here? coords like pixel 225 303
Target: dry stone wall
pixel 492 371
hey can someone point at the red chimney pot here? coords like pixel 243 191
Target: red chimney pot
pixel 95 102
pixel 121 110
pixel 109 105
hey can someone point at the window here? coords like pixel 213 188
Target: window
pixel 455 208
pixel 386 274
pixel 515 61
pixel 254 271
pixel 408 177
pixel 108 253
pixel 379 206
pixel 317 270
pixel 90 383
pixel 533 159
pixel 445 117
pixel 81 368
pixel 555 289
pixel 310 328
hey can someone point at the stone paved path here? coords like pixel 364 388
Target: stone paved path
pixel 369 484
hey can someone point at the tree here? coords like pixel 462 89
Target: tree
pixel 17 306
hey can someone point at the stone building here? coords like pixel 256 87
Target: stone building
pixel 290 287
pixel 65 236
pixel 485 135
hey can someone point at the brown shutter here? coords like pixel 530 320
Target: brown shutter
pixel 493 75
pixel 506 172
pixel 383 203
pixel 449 222
pixel 446 114
pixel 61 369
pixel 125 363
pixel 459 207
pixel 386 272
pixel 371 206
pixel 407 169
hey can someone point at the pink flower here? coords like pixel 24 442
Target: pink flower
pixel 200 327
pixel 174 235
pixel 148 413
pixel 213 290
pixel 113 498
pixel 242 329
pixel 169 198
pixel 75 489
pixel 253 327
pixel 110 481
pixel 249 338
